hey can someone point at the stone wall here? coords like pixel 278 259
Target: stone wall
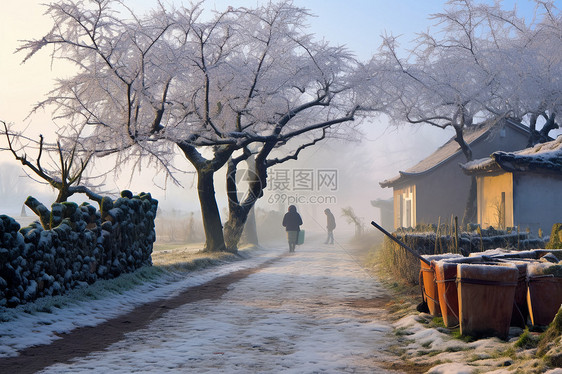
pixel 74 245
pixel 470 242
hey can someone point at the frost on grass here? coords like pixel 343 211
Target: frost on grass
pixel 425 344
pixel 39 322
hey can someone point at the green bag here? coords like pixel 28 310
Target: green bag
pixel 300 237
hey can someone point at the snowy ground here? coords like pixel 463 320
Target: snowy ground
pixel 298 315
pixel 314 311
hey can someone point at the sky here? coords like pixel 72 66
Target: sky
pixel 357 24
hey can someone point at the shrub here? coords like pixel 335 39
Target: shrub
pixel 400 263
pixel 527 340
pixel 555 241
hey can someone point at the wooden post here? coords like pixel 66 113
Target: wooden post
pixel 435 250
pixel 481 239
pixel 456 234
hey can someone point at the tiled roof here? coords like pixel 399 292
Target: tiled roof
pixel 545 157
pixel 448 151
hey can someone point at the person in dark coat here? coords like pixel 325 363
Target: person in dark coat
pixel 292 221
pixel 330 226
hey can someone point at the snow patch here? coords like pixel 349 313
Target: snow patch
pixel 452 368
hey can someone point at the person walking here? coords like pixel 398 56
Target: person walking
pixel 292 221
pixel 330 226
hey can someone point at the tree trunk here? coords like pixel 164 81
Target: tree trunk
pixel 234 227
pixel 250 230
pixel 241 220
pixel 250 233
pixel 471 206
pixel 533 133
pixel 212 226
pixel 63 195
pixel 238 211
pixel 214 239
pixel 548 127
pixel 465 147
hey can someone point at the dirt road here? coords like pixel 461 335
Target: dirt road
pixel 312 311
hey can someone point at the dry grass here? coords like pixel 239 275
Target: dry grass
pixel 388 267
pixel 398 270
pixel 189 257
pixel 397 263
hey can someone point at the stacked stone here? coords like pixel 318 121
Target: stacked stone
pixel 471 242
pixel 128 233
pixel 74 245
pixel 13 263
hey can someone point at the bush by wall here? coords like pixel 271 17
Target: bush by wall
pixel 555 241
pixel 430 243
pixel 74 245
pixel 398 262
pixel 404 266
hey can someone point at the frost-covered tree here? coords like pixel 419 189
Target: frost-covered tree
pixel 210 86
pixel 522 59
pixel 479 61
pixel 239 207
pixel 445 80
pixel 529 68
pixel 61 165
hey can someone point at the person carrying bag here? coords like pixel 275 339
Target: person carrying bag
pixel 292 221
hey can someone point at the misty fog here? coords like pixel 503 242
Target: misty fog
pixel 382 152
pixel 358 167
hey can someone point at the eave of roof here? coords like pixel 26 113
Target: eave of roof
pixel 380 203
pixel 480 166
pixel 542 158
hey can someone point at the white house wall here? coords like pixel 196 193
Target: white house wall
pixel 405 207
pixel 442 193
pixel 537 201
